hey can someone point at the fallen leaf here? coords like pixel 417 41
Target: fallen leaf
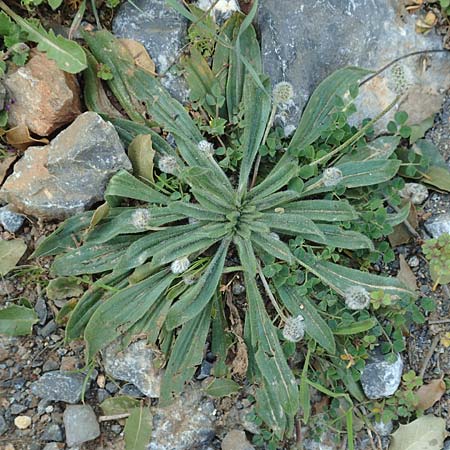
pixel 430 393
pixel 221 387
pixel 140 55
pixel 141 154
pixel 438 177
pixel 401 234
pixel 17 320
pixel 118 405
pixel 138 429
pixel 19 137
pixel 5 164
pixel 406 275
pixel 424 433
pixel 64 287
pixel 10 254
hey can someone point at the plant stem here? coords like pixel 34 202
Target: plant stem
pixel 95 12
pixel 270 295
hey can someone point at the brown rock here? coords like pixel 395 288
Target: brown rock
pixel 45 97
pixel 236 440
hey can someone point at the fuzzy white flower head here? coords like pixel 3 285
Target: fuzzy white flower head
pixel 167 164
pixel 331 176
pixel 294 329
pixel 140 218
pixel 206 147
pixel 189 280
pixel 180 265
pixel 415 192
pixel 274 235
pixel 356 297
pixel 282 93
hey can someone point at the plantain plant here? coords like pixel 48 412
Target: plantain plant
pixel 160 249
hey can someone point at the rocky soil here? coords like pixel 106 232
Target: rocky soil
pixel 43 381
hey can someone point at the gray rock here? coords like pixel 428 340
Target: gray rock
pixel 185 424
pixel 50 365
pixel 59 386
pixel 111 387
pixel 10 220
pixel 69 174
pixel 41 309
pixel 135 365
pixel 205 370
pixel 303 42
pixel 161 30
pixel 438 225
pixel 52 446
pixel 2 95
pixel 3 425
pixel 381 378
pixel 53 432
pixel 131 390
pixel 48 329
pixel 81 424
pixel 17 408
pixel 236 440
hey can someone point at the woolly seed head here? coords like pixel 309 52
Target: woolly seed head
pixel 415 192
pixel 206 147
pixel 140 218
pixel 282 92
pixel 167 164
pixel 331 176
pixel 294 329
pixel 189 280
pixel 180 265
pixel 357 297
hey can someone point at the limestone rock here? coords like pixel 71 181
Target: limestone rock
pixel 135 365
pixel 185 424
pixel 236 440
pixel 438 225
pixel 161 30
pixel 69 174
pixel 81 424
pixel 303 42
pixel 45 97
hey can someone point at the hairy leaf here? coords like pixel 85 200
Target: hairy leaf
pixel 323 210
pixel 17 320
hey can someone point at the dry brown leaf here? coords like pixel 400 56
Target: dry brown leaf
pixel 19 137
pixel 430 393
pixel 401 235
pixel 140 55
pixel 406 275
pixel 5 164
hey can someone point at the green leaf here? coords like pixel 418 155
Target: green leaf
pixel 138 429
pixel 10 254
pixel 221 387
pixel 64 287
pixel 305 394
pixel 323 210
pixel 341 278
pixel 272 246
pixel 438 177
pixel 221 340
pixel 356 327
pixel 187 353
pixel 400 217
pixel 68 55
pixel 195 211
pixel 317 115
pixel 116 315
pixel 17 320
pixel 335 236
pixel 280 199
pixel 246 254
pixel 380 148
pixel 121 404
pixel 256 115
pixel 418 131
pixel 291 224
pixel 194 300
pixel 315 326
pixel 141 155
pixel 55 4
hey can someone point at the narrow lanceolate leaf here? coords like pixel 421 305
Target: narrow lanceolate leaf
pixel 279 177
pixel 400 217
pixel 341 278
pixel 222 387
pixel 138 428
pixel 256 115
pixel 265 242
pixel 124 185
pixel 277 199
pixel 246 254
pixel 290 223
pixel 17 320
pixel 193 301
pixel 317 115
pixel 116 315
pixel 356 327
pixel 141 155
pixel 10 254
pixel 68 55
pixel 315 326
pixel 380 148
pixel 323 210
pixel 65 237
pixel 335 236
pixel 277 378
pixel 195 211
pixel 91 300
pixel 356 174
pixel 187 353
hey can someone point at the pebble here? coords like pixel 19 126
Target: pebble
pixel 52 446
pixel 3 425
pixel 50 365
pixel 48 329
pixel 414 261
pixel 111 387
pixel 59 387
pixel 22 422
pixel 438 225
pixel 236 440
pixel 10 220
pixel 41 310
pixel 80 424
pixel 53 432
pixel 381 378
pixel 17 408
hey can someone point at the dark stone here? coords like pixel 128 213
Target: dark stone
pixel 53 433
pixel 59 386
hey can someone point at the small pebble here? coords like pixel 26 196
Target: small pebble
pixel 413 261
pixel 10 220
pixel 22 422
